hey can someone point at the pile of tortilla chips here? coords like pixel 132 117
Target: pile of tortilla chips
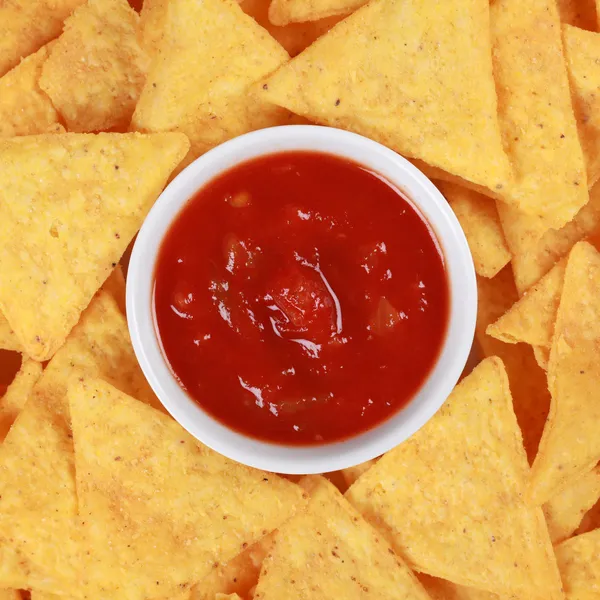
pixel 103 495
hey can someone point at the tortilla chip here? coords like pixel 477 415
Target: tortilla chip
pixel 528 384
pixel 531 319
pixel 98 346
pixel 536 251
pixel 457 512
pixel 479 219
pixel 570 445
pixel 591 520
pixel 115 286
pixel 26 25
pixel 582 52
pixel 580 13
pixel 351 474
pixel 10 595
pixel 8 338
pixel 39 543
pixel 142 478
pixel 213 103
pixel 17 394
pixel 283 12
pixel 565 511
pixel 96 70
pixel 24 108
pixel 409 82
pixel 440 589
pixel 529 66
pixel 65 225
pixel 579 564
pixel 329 551
pixel 238 576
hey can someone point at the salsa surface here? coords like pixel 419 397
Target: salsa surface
pixel 300 298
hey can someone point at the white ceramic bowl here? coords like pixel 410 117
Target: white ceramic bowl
pixel 368 445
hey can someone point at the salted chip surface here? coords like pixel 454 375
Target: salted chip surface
pixel 25 109
pixel 579 563
pixel 535 249
pixel 406 80
pixel 138 471
pixel 570 445
pixel 8 338
pixel 479 220
pixel 38 505
pixel 10 595
pixel 531 75
pixel 457 512
pixel 283 12
pixel 115 285
pixel 26 25
pixel 531 319
pixel 96 70
pixel 213 103
pixel 440 589
pixel 565 511
pixel 69 206
pixel 330 551
pixel 582 52
pixel 17 394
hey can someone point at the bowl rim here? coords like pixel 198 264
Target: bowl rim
pixel 384 436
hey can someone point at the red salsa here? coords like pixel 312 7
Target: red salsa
pixel 300 298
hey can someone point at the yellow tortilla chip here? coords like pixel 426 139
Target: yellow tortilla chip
pixel 98 346
pixel 26 25
pixel 39 542
pixel 65 225
pixel 591 520
pixel 96 70
pixel 580 13
pixel 536 251
pixel 10 595
pixel 457 512
pixel 570 445
pixel 139 471
pixel 329 551
pixel 409 82
pixel 17 394
pixel 440 589
pixel 536 115
pixel 8 338
pixel 238 576
pixel 116 287
pixel 283 12
pixel 528 384
pixel 531 319
pixel 24 108
pixel 579 564
pixel 479 219
pixel 565 511
pixel 213 103
pixel 227 597
pixel 582 52
pixel 351 474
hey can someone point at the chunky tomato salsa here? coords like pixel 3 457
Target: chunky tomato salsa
pixel 300 298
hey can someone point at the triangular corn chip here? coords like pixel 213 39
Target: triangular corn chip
pixel 550 177
pixel 440 589
pixel 570 445
pixel 351 474
pixel 147 489
pixel 213 103
pixel 451 497
pixel 65 225
pixel 565 511
pixel 115 286
pixel 591 520
pixel 580 13
pixel 283 12
pixel 26 25
pixel 528 383
pixel 17 394
pixel 98 346
pixel 24 108
pixel 39 540
pixel 479 219
pixel 535 250
pixel 531 319
pixel 582 51
pixel 397 71
pixel 329 551
pixel 10 595
pixel 8 338
pixel 579 564
pixel 96 70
